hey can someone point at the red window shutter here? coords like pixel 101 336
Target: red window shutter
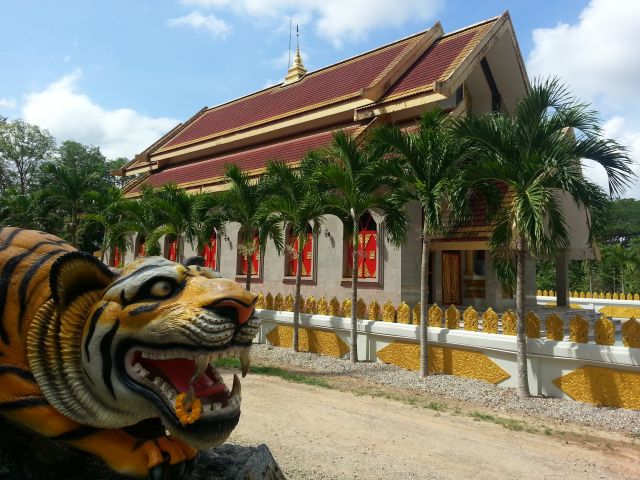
pixel 367 254
pixel 173 251
pixel 116 257
pixel 293 256
pixel 307 256
pixel 210 252
pixel 141 250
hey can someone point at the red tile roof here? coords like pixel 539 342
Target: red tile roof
pixel 210 170
pixel 331 84
pixel 334 84
pixel 439 61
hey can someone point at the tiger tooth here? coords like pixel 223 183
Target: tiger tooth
pixel 202 362
pixel 245 362
pixel 237 387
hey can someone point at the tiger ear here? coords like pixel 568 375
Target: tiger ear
pixel 75 273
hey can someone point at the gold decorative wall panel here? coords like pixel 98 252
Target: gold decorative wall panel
pixel 579 330
pixel 453 361
pixel 490 321
pixel 311 340
pixel 620 312
pixel 555 328
pixel 604 331
pixel 602 386
pixel 631 333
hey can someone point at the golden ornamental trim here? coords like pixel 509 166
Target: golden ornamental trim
pixel 435 315
pixel 532 323
pixel 490 321
pixel 579 330
pixel 404 313
pixel 389 312
pixel 631 333
pixel 509 323
pixel 605 332
pixel 555 328
pixel 374 310
pixel 322 306
pixel 470 318
pixel 452 315
pixel 260 301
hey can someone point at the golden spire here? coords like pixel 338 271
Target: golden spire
pixel 296 70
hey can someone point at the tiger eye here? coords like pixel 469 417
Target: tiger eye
pixel 161 289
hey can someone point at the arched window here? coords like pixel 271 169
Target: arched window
pixel 243 255
pixel 367 248
pixel 292 254
pixel 140 250
pixel 210 251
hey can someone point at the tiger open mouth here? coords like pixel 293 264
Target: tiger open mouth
pixel 188 382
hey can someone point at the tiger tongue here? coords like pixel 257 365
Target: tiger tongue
pixel 180 370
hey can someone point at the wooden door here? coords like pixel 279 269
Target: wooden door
pixel 451 280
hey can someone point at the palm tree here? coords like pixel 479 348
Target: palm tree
pixel 291 198
pixel 207 217
pixel 241 204
pixel 428 161
pixel 349 178
pixel 105 209
pixel 536 154
pixel 67 186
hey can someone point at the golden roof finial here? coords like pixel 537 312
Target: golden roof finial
pixel 297 70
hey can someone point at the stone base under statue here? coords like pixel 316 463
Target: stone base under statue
pixel 24 456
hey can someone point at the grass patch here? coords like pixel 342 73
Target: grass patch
pixel 437 406
pixel 274 372
pixel 508 423
pixel 228 362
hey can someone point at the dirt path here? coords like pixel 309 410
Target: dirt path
pixel 317 433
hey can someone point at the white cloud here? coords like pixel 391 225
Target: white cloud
pixel 70 115
pixel 336 20
pixel 8 103
pixel 597 57
pixel 209 23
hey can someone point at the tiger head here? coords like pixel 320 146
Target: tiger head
pixel 111 349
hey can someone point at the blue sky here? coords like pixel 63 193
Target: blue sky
pixel 118 74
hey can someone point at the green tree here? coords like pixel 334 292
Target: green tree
pixel 68 180
pixel 537 153
pixel 23 147
pixel 349 177
pixel 428 162
pixel 105 207
pixel 241 203
pixel 291 198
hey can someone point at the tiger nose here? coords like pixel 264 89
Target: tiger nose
pixel 241 309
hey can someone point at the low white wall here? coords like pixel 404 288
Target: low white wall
pixel 547 360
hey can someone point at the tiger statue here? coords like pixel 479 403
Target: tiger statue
pixel 88 354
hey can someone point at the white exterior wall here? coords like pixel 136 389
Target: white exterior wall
pixel 547 360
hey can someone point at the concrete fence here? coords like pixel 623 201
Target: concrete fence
pixel 483 347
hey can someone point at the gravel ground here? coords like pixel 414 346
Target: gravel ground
pixel 449 386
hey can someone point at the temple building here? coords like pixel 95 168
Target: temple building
pixel 473 70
